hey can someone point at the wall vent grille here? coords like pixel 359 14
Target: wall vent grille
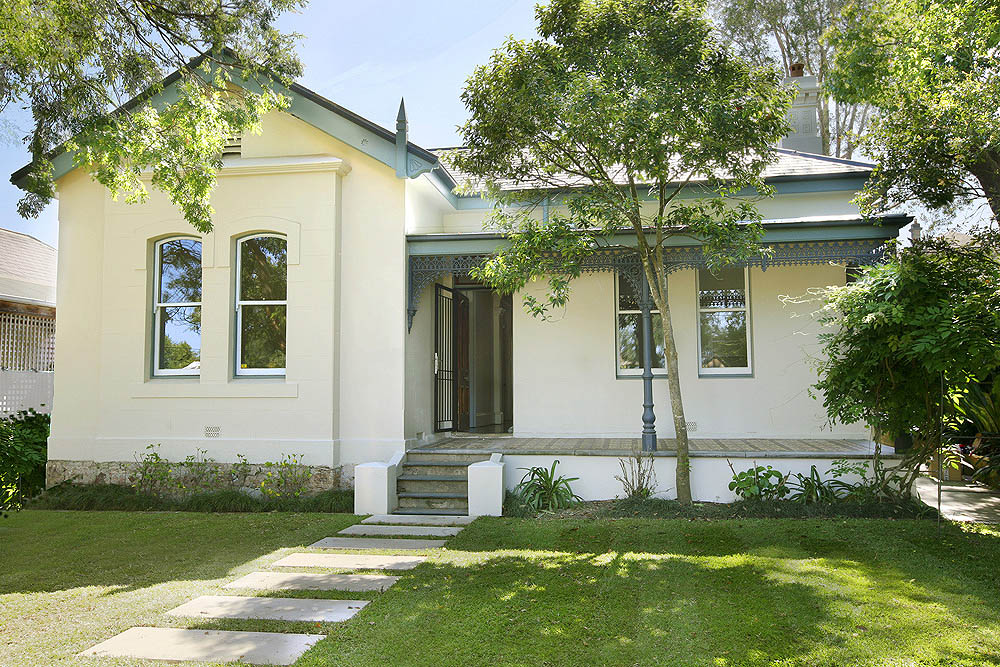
pixel 233 146
pixel 213 431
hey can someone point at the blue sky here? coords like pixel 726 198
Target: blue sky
pixel 364 56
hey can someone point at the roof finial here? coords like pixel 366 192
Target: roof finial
pixel 401 116
pixel 402 139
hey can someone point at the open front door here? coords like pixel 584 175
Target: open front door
pixel 444 359
pixel 451 360
pixel 463 387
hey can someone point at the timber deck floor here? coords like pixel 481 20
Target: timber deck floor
pixel 709 447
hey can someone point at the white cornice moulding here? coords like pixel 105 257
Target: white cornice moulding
pixel 276 165
pixel 284 165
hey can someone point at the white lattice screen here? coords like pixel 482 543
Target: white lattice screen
pixel 27 342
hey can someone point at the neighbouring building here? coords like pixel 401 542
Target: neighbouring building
pixel 27 322
pixel 330 314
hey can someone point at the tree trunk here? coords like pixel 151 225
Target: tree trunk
pixel 657 279
pixel 987 172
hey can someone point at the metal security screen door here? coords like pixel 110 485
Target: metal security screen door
pixel 444 359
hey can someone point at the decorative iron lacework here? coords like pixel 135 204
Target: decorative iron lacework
pixel 425 269
pixel 722 298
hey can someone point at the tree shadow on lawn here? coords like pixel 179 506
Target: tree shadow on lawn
pixel 951 559
pixel 45 551
pixel 572 608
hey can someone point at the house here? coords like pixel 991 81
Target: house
pixel 331 314
pixel 27 322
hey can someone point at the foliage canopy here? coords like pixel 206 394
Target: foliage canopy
pixel 783 32
pixel 906 332
pixel 625 116
pixel 932 72
pixel 72 63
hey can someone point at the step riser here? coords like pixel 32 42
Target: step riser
pixel 450 471
pixel 458 486
pixel 435 503
pixel 450 458
pixel 415 511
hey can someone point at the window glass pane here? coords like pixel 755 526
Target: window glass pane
pixel 630 341
pixel 724 289
pixel 180 338
pixel 627 299
pixel 180 271
pixel 724 340
pixel 262 337
pixel 263 269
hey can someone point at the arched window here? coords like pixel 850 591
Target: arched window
pixel 261 304
pixel 177 307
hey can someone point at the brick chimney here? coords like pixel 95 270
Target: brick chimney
pixel 804 113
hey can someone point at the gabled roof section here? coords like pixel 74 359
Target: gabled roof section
pixel 308 106
pixel 27 269
pixel 790 165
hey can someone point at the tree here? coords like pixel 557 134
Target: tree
pixel 932 72
pixel 177 355
pixel 74 62
pixel 908 332
pixel 782 32
pixel 634 118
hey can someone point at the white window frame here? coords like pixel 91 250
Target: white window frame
pixel 158 307
pixel 240 371
pixel 735 370
pixel 620 371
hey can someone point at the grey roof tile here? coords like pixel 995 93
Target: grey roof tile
pixel 27 268
pixel 790 164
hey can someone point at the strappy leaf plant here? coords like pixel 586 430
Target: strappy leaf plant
pixel 542 489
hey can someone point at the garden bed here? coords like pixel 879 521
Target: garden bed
pixel 108 497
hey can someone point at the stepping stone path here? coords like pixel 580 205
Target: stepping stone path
pixel 256 648
pixel 279 648
pixel 419 520
pixel 275 609
pixel 351 561
pixel 421 531
pixel 282 581
pixel 373 543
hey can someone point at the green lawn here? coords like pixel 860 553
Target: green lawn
pixel 524 592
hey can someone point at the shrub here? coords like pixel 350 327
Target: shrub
pixel 758 483
pixel 285 479
pixel 108 497
pixel 811 488
pixel 638 478
pixel 23 438
pixel 201 474
pixel 902 337
pixel 541 489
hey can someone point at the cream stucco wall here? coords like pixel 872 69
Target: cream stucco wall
pixel 828 203
pixel 344 220
pixel 358 387
pixel 565 369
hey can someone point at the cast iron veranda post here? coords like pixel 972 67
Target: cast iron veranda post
pixel 648 417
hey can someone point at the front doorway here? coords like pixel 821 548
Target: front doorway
pixel 473 363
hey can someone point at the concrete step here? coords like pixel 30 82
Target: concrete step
pixel 432 483
pixel 350 561
pixel 426 455
pixel 438 504
pixel 435 469
pixel 419 518
pixel 407 477
pixel 419 512
pixel 433 494
pixel 377 530
pixel 305 581
pixel 380 543
pixel 275 609
pixel 177 645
